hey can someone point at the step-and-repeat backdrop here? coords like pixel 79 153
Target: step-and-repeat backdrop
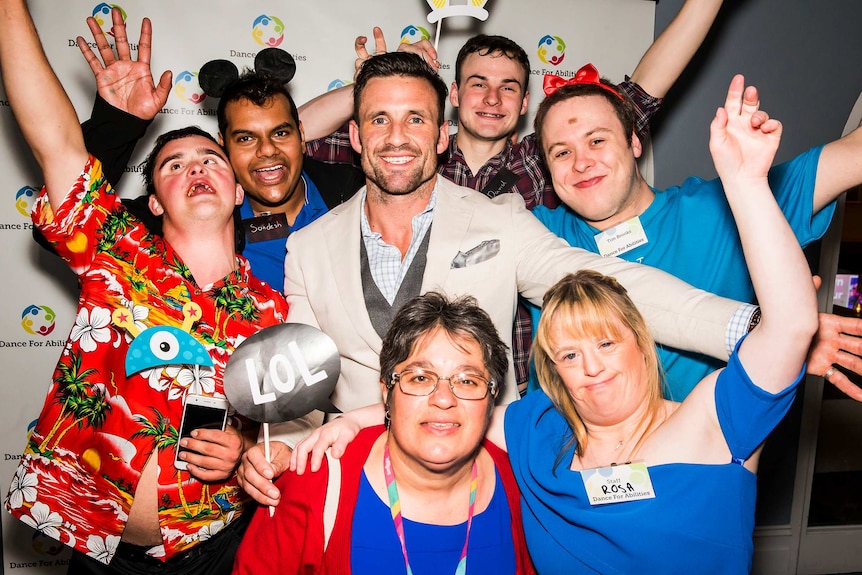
pixel 38 293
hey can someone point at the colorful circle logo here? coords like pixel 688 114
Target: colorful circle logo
pixel 24 200
pixel 38 320
pixel 187 88
pixel 268 31
pixel 45 545
pixel 336 84
pixel 102 15
pixel 412 34
pixel 552 50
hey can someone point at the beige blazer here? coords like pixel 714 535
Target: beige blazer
pixel 324 288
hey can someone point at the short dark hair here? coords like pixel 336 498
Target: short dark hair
pixel 460 318
pixel 622 105
pixel 161 142
pixel 399 64
pixel 486 45
pixel 258 89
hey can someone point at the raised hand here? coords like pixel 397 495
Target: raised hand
pixel 362 53
pixel 125 83
pixel 743 139
pixel 423 48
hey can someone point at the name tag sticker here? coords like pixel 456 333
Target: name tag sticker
pixel 268 227
pixel 618 483
pixel 621 238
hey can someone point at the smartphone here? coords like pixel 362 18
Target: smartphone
pixel 200 412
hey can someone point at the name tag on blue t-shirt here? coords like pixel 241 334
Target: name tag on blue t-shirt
pixel 621 238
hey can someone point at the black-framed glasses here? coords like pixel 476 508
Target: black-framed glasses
pixel 421 382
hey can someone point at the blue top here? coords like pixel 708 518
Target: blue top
pixel 267 257
pixel 692 235
pixel 432 549
pixel 701 520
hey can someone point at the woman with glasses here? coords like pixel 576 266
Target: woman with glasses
pixel 422 494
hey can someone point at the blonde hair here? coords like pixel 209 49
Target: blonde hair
pixel 589 304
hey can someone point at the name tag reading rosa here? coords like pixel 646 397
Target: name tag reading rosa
pixel 282 373
pixel 618 483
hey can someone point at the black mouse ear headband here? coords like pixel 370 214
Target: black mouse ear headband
pixel 215 76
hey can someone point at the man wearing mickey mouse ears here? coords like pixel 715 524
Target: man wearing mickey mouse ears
pixel 259 128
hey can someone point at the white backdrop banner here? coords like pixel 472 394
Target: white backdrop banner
pixel 39 293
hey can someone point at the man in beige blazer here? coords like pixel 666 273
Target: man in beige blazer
pixel 431 234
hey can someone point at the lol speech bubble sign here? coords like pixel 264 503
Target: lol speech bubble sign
pixel 282 373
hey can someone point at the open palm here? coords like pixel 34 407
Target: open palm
pixel 125 83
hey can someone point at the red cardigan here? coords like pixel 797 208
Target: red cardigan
pixel 292 540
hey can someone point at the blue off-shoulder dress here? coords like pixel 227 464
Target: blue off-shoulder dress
pixel 700 521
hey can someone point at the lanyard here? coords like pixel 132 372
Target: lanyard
pixel 395 509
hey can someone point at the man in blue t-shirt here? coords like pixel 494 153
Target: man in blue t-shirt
pixel 585 132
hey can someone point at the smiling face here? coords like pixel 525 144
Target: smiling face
pixel 593 163
pixel 398 135
pixel 491 97
pixel 193 181
pixel 439 431
pixel 265 145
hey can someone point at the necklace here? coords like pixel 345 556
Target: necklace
pixel 398 520
pixel 594 463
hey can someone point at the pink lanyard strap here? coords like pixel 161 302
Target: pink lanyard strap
pixel 395 509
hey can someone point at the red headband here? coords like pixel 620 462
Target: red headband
pixel 586 75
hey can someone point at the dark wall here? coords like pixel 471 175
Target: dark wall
pixel 805 57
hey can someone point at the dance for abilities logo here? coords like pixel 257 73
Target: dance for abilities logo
pixel 552 50
pixel 24 199
pixel 38 320
pixel 102 15
pixel 412 34
pixel 336 84
pixel 268 31
pixel 187 88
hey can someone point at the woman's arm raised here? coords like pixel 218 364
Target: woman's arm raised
pixel 743 142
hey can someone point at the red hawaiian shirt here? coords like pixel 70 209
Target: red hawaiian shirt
pixel 99 427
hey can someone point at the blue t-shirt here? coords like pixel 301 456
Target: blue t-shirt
pixel 700 521
pixel 432 549
pixel 267 257
pixel 692 235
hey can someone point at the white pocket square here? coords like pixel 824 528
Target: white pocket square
pixel 484 251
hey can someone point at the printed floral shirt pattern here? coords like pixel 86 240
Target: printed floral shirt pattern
pixel 98 427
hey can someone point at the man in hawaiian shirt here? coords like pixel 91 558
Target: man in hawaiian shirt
pixel 98 471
